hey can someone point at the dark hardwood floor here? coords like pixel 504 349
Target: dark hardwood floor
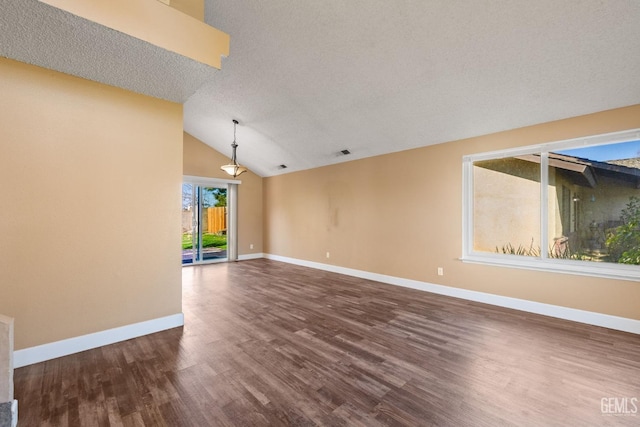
pixel 267 343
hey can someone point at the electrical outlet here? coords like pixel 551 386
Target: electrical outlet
pixel 328 254
pixel 251 246
pixel 440 271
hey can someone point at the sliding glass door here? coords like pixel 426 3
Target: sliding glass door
pixel 205 222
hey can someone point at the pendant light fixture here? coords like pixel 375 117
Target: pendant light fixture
pixel 233 168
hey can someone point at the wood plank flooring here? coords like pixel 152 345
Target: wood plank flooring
pixel 268 344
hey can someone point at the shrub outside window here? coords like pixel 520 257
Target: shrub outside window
pixel 570 206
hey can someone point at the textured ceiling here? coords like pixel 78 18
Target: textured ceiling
pixel 39 34
pixel 309 79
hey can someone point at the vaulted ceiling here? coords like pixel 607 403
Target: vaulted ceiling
pixel 309 79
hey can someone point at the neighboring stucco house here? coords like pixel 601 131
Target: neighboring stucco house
pixel 586 198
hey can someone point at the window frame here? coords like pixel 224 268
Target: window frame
pixel 542 262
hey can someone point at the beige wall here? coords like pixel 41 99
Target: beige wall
pixel 77 158
pixel 202 160
pixel 371 218
pixel 157 24
pixel 193 8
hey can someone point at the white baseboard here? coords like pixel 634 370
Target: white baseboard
pixel 250 256
pixel 581 316
pixel 14 413
pixel 40 353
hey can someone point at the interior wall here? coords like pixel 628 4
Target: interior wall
pixel 193 8
pixel 370 217
pixel 89 193
pixel 202 160
pixel 157 24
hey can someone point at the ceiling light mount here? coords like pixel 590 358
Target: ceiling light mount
pixel 233 168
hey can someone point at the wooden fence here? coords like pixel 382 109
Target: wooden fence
pixel 216 220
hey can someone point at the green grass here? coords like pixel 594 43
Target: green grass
pixel 208 241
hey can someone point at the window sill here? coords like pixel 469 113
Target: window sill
pixel 582 268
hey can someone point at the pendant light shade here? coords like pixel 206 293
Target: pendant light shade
pixel 233 168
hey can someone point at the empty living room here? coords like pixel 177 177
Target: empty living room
pixel 420 213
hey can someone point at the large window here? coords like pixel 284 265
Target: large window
pixel 570 206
